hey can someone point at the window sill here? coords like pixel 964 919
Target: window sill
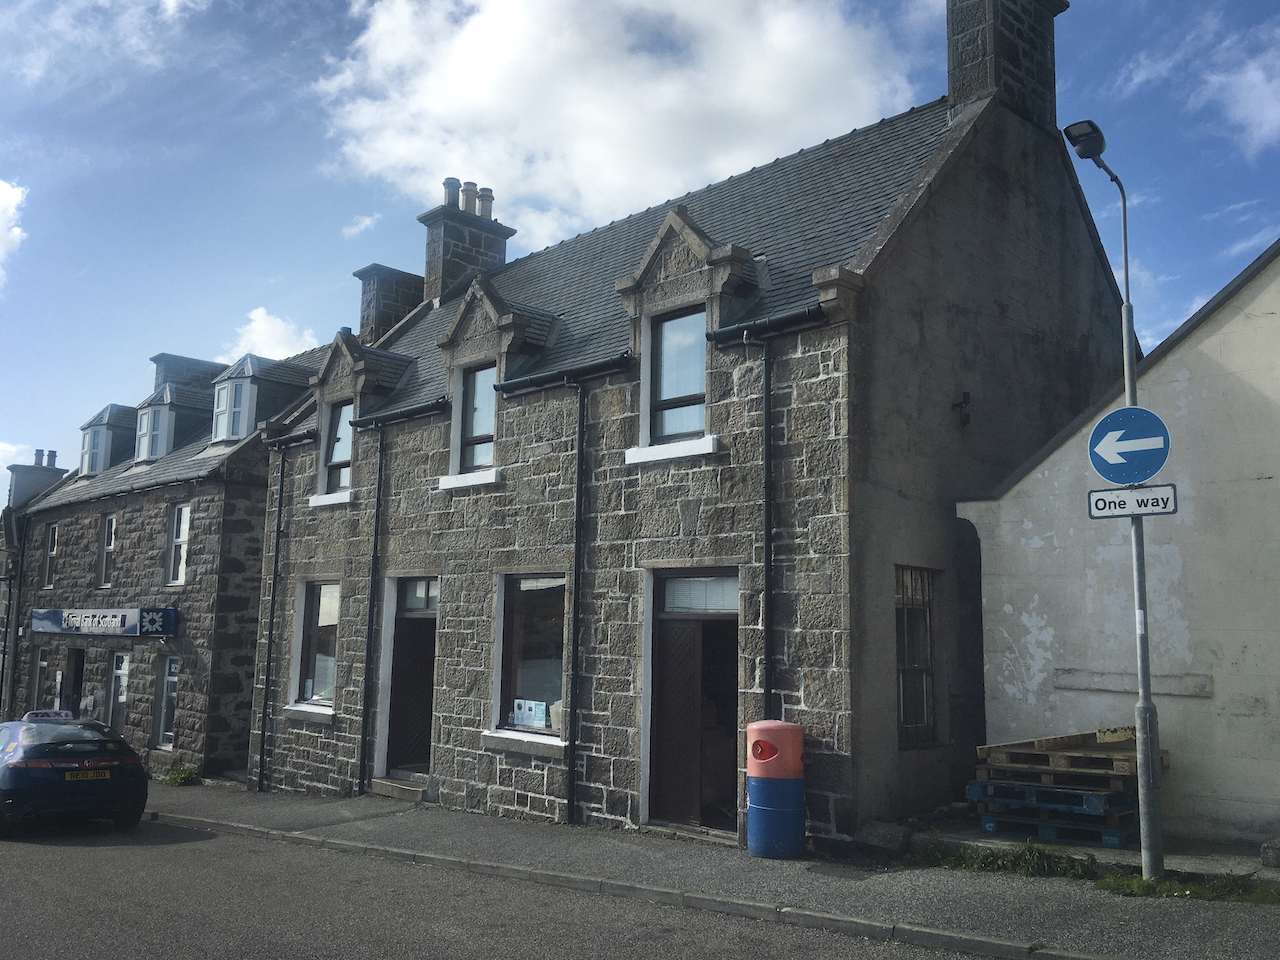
pixel 329 499
pixel 658 452
pixel 476 478
pixel 548 747
pixel 309 713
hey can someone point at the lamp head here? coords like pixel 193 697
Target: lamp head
pixel 1087 140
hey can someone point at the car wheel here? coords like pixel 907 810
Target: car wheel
pixel 128 818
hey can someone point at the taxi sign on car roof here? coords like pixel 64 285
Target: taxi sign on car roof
pixel 48 715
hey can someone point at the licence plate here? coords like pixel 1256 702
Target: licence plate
pixel 88 775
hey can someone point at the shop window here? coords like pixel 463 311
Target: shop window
pixel 41 674
pixel 167 705
pixel 319 644
pixel 179 530
pixel 913 602
pixel 532 654
pixel 119 691
pixel 106 548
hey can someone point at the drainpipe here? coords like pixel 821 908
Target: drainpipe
pixel 281 446
pixel 369 626
pixel 745 334
pixel 573 377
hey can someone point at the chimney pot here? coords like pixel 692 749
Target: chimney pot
pixel 345 331
pixel 39 458
pixel 469 196
pixel 53 458
pixel 451 186
pixel 486 203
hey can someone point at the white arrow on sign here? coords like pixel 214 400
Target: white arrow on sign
pixel 1111 447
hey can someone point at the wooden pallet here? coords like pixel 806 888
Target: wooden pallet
pixel 1068 741
pixel 1118 759
pixel 1066 800
pixel 1094 836
pixel 1114 820
pixel 1068 779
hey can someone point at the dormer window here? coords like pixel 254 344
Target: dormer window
pixel 338 448
pixel 479 409
pixel 95 450
pixel 679 381
pixel 232 410
pixel 154 432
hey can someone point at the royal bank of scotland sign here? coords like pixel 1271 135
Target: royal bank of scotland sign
pixel 120 622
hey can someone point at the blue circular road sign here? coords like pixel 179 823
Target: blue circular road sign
pixel 1129 445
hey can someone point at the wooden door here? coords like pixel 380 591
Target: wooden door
pixel 412 684
pixel 676 772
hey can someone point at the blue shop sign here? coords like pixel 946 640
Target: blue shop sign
pixel 126 622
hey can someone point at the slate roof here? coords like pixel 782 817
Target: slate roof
pixel 180 396
pixel 812 209
pixel 260 368
pixel 113 414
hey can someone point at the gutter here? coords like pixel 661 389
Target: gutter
pixel 568 376
pixel 438 405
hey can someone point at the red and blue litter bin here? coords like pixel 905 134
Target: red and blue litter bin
pixel 775 790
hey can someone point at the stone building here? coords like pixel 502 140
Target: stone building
pixel 1058 610
pixel 606 504
pixel 138 574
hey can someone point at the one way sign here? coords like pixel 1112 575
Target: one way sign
pixel 1129 445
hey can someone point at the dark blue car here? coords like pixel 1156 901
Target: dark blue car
pixel 52 765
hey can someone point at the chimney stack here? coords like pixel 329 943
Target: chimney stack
pixel 461 243
pixel 1004 48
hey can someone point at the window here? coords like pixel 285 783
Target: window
pixel 179 528
pixel 38 680
pixel 230 410
pixel 50 553
pixel 479 410
pixel 914 610
pixel 338 448
pixel 120 691
pixel 152 434
pixel 419 594
pixel 533 654
pixel 319 643
pixel 106 548
pixel 679 378
pixel 93 450
pixel 168 705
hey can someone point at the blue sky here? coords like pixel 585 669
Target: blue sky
pixel 201 177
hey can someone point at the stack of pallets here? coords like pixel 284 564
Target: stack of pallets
pixel 1076 788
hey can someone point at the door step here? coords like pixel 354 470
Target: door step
pixel 399 789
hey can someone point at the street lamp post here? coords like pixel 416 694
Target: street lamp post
pixel 1089 143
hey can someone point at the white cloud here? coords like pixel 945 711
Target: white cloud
pixel 43 40
pixel 1209 65
pixel 268 336
pixel 1245 84
pixel 14 453
pixel 359 225
pixel 11 200
pixel 1254 244
pixel 577 112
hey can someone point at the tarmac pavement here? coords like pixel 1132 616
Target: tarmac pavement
pixel 995 915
